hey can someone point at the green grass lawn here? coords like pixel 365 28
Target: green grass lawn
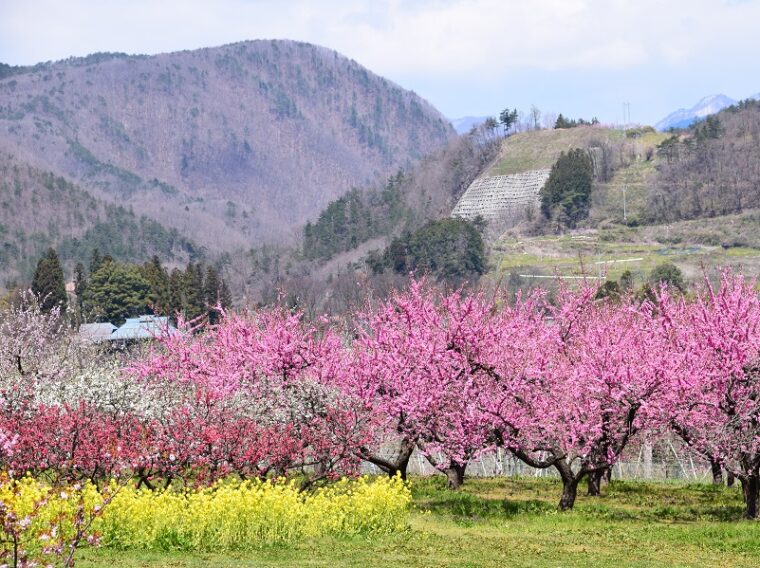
pixel 514 522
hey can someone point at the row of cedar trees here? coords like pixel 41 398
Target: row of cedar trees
pixel 112 291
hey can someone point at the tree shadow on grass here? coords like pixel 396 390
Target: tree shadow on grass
pixel 464 507
pixel 628 501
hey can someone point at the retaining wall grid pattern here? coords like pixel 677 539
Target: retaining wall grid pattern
pixel 499 196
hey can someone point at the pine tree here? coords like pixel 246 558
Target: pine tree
pixel 48 282
pixel 80 281
pixel 507 118
pixel 562 122
pixel 211 293
pixel 80 287
pixel 195 305
pixel 158 278
pixel 211 286
pixel 177 294
pixel 115 292
pixel 452 250
pixel 566 195
pixel 96 260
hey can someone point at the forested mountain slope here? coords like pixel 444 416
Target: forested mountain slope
pixel 711 169
pixel 39 209
pixel 407 201
pixel 232 145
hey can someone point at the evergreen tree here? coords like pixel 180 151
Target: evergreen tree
pixel 710 129
pixel 195 304
pixel 177 293
pixel 158 278
pixel 667 273
pixel 355 218
pixel 566 196
pixel 626 281
pixel 48 282
pixel 225 296
pixel 610 289
pixel 490 125
pixel 450 249
pixel 508 118
pixel 211 293
pixel 115 292
pixel 96 260
pixel 80 281
pixel 80 287
pixel 563 122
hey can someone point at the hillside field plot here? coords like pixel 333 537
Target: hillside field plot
pixel 539 149
pixel 695 247
pixel 514 522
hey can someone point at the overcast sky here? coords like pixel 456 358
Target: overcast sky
pixel 474 57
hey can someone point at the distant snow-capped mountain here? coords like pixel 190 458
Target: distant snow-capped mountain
pixel 685 117
pixel 464 125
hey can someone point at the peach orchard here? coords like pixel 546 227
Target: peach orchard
pixel 563 382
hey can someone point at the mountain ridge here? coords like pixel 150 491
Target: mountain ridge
pixel 464 124
pixel 239 144
pixel 682 118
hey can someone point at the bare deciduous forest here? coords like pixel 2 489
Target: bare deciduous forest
pixel 711 169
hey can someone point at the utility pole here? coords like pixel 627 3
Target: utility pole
pixel 626 115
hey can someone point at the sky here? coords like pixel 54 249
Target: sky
pixel 583 58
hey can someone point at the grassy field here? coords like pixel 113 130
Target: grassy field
pixel 632 183
pixel 730 241
pixel 540 149
pixel 513 522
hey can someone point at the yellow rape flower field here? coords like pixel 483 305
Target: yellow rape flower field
pixel 229 516
pixel 251 514
pixel 382 522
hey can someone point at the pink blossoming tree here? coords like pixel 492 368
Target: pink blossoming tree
pixel 254 395
pixel 413 381
pixel 713 396
pixel 568 385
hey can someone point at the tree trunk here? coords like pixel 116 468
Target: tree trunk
pixel 394 466
pixel 455 474
pixel 569 484
pixel 569 493
pixel 594 480
pixel 402 459
pixel 717 472
pixel 730 479
pixel 751 492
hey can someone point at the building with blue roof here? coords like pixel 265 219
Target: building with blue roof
pixel 96 332
pixel 144 327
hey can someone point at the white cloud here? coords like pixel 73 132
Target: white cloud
pixel 392 35
pixel 411 41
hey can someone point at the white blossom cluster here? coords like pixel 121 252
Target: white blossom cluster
pixel 43 361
